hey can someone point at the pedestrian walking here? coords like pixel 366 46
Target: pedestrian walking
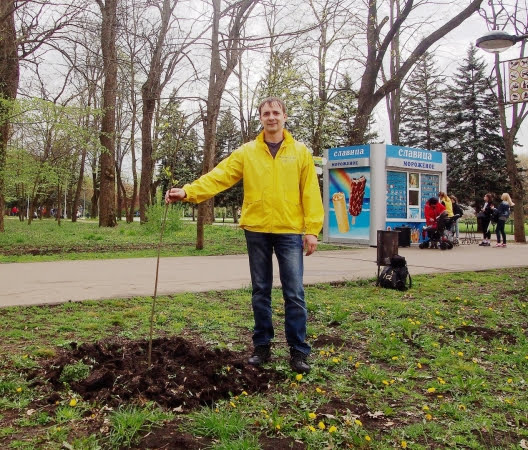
pixel 484 216
pixel 503 213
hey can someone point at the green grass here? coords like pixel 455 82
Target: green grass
pixel 44 240
pixel 442 365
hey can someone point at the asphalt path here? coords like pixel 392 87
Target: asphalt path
pixel 39 283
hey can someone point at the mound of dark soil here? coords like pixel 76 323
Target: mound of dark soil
pixel 182 375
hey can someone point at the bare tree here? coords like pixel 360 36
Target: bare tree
pixel 502 16
pixel 228 48
pixel 377 45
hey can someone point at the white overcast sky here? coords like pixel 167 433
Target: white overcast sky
pixel 454 48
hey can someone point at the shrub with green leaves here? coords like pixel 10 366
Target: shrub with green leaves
pixel 74 372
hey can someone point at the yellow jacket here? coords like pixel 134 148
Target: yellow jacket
pixel 448 205
pixel 281 194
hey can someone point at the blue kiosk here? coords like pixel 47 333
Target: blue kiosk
pixel 374 187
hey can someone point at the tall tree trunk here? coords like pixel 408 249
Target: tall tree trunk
pixel 107 206
pixel 9 77
pixel 218 77
pixel 150 92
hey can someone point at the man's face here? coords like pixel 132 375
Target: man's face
pixel 272 117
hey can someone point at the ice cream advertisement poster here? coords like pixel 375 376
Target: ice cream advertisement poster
pixel 349 203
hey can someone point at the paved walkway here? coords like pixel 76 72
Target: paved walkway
pixel 62 281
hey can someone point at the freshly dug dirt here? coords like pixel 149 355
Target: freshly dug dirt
pixel 183 374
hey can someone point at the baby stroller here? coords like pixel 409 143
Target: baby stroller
pixel 442 235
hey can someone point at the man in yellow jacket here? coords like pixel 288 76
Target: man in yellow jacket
pixel 282 212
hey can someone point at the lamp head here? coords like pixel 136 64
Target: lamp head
pixel 496 41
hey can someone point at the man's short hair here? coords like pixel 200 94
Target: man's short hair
pixel 270 101
pixel 433 201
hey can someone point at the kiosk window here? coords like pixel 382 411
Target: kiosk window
pixel 413 198
pixel 430 188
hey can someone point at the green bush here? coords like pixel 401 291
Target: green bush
pixel 155 217
pixel 74 372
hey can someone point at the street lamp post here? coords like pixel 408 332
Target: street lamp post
pixel 497 41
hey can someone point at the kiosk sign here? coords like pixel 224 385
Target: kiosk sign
pixel 414 158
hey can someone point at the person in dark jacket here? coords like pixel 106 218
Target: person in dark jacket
pixel 503 212
pixel 485 218
pixel 457 211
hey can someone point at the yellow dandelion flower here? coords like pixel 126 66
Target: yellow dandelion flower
pixel 19 389
pixel 428 417
pixel 439 396
pixel 441 327
pixel 403 444
pixel 312 415
pixel 321 425
pixel 385 382
pixel 73 402
pixel 263 411
pixel 466 340
pixel 457 298
pixel 425 408
pixel 359 364
pixel 508 400
pixel 418 322
pixel 394 358
pixel 332 429
pixel 277 427
pixel 322 352
pixel 335 360
pixel 298 377
pixel 460 353
pixel 358 423
pixel 431 390
pixel 435 344
pixel 462 407
pixel 510 381
pixel 232 405
pixel 419 365
pixel 367 438
pixel 311 428
pixel 244 393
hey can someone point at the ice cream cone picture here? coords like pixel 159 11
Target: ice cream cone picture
pixel 338 199
pixel 357 191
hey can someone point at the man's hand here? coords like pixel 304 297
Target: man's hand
pixel 310 243
pixel 175 195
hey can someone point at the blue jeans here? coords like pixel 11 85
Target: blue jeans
pixel 289 251
pixel 500 230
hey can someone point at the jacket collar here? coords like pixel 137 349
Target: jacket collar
pixel 288 138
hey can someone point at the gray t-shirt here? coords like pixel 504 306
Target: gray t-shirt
pixel 274 147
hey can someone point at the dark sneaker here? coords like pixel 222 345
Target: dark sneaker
pixel 261 354
pixel 298 362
